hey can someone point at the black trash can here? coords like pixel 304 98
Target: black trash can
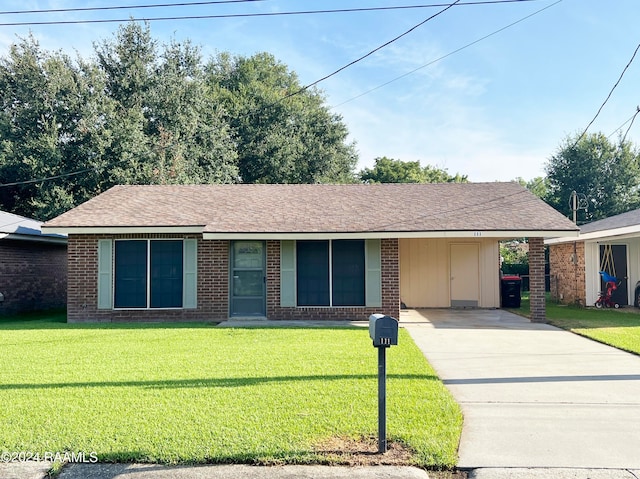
pixel 510 287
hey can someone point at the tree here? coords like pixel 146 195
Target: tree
pixel 167 130
pixel 143 113
pixel 51 120
pixel 608 174
pixel 539 185
pixel 388 170
pixel 284 134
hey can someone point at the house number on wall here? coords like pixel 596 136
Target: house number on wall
pixel 477 233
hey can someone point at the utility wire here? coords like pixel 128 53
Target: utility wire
pixel 623 125
pixel 247 15
pixel 125 7
pixel 61 175
pixel 633 118
pixel 608 96
pixel 304 88
pixel 301 90
pixel 446 56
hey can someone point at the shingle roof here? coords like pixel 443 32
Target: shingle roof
pixel 623 220
pixel 320 208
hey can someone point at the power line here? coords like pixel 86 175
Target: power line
pixel 633 118
pixel 608 96
pixel 371 52
pixel 447 55
pixel 301 90
pixel 249 15
pixel 127 7
pixel 62 175
pixel 622 126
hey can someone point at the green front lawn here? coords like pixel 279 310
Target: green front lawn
pixel 618 328
pixel 194 393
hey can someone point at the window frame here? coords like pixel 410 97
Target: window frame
pixel 148 278
pixel 330 276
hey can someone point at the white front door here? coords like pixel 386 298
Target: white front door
pixel 465 275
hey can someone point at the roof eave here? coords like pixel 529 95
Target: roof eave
pixel 497 234
pixel 624 232
pixel 34 238
pixel 95 230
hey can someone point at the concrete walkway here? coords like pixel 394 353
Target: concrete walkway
pixel 533 395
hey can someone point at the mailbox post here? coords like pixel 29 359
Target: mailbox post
pixel 383 331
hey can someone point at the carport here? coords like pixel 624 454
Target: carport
pixel 463 271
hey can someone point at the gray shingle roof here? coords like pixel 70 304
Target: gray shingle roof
pixel 320 208
pixel 630 218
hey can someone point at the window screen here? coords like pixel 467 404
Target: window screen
pixel 130 274
pixel 166 274
pixel 313 273
pixel 348 271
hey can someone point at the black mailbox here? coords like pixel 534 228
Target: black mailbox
pixel 383 330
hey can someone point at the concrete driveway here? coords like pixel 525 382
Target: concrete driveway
pixel 533 395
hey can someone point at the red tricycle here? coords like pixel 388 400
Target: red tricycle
pixel 605 297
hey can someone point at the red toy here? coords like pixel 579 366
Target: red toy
pixel 604 298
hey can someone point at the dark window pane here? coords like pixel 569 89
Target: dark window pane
pixel 313 273
pixel 130 274
pixel 347 266
pixel 166 274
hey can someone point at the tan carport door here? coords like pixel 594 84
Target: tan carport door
pixel 465 275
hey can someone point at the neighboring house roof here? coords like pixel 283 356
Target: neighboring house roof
pixel 18 227
pixel 319 210
pixel 619 226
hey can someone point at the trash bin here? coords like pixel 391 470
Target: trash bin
pixel 510 287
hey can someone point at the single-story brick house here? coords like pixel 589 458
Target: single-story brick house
pixel 33 266
pixel 611 245
pixel 213 252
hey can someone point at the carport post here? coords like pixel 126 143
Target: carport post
pixel 536 280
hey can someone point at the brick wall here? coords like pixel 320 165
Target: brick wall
pixel 213 287
pixel 536 280
pixel 390 290
pixel 213 292
pixel 33 276
pixel 567 270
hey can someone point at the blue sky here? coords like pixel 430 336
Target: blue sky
pixel 496 110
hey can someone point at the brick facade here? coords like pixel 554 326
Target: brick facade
pixel 33 276
pixel 213 279
pixel 567 272
pixel 213 285
pixel 389 254
pixel 536 280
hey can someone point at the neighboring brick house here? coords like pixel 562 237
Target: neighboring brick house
pixel 611 245
pixel 33 266
pixel 213 252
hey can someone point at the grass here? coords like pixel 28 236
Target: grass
pixel 617 328
pixel 194 393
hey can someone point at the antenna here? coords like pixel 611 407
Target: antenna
pixel 577 201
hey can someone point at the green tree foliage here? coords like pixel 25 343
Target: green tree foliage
pixel 388 170
pixel 143 113
pixel 607 173
pixel 283 134
pixel 539 185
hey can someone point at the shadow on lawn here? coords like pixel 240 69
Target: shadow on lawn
pixel 212 382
